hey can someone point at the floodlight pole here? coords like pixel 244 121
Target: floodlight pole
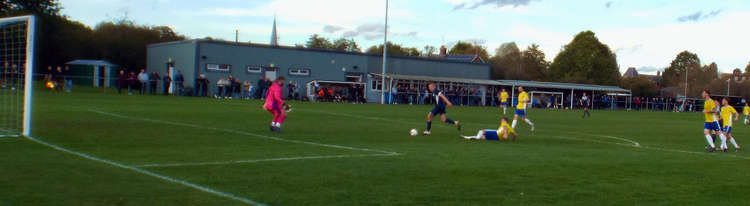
pixel 385 54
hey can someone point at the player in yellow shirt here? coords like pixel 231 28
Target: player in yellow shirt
pixel 503 96
pixel 728 113
pixel 523 101
pixel 711 120
pixel 746 112
pixel 504 131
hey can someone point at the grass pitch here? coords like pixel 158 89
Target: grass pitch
pixel 343 154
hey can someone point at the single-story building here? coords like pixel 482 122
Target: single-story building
pixel 245 61
pixel 98 73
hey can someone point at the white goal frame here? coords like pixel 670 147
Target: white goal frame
pixel 29 67
pixel 558 101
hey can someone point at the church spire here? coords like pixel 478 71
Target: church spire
pixel 274 35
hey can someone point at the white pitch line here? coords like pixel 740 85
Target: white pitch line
pixel 245 133
pixel 258 160
pixel 634 144
pixel 148 173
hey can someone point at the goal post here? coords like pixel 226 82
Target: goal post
pixel 547 99
pixel 17 36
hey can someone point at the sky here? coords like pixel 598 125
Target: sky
pixel 645 34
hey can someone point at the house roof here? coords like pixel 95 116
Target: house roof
pixel 440 79
pixel 91 62
pixel 534 84
pixel 230 43
pixel 559 85
pixel 464 58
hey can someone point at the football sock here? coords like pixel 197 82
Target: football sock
pixel 429 125
pixel 710 140
pixel 723 141
pixel 734 143
pixel 273 124
pixel 504 110
pixel 278 125
pixel 449 121
pixel 513 124
pixel 528 121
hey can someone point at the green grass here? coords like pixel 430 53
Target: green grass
pixel 567 161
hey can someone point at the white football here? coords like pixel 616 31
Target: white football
pixel 413 132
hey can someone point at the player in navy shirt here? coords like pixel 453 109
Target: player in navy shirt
pixel 440 103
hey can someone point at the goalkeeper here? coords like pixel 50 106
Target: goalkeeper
pixel 504 131
pixel 275 105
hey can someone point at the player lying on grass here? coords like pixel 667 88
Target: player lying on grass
pixel 728 114
pixel 503 131
pixel 275 105
pixel 440 103
pixel 711 123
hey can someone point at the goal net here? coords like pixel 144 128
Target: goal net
pixel 552 100
pixel 16 63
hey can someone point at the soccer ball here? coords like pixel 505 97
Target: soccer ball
pixel 413 132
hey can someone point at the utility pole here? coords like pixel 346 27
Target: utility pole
pixel 385 54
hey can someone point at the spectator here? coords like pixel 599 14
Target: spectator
pixel 59 78
pixel 132 81
pixel 121 81
pixel 167 81
pixel 153 80
pixel 290 90
pixel 219 88
pixel 68 76
pixel 247 87
pixel 179 82
pixel 143 80
pixel 259 88
pixel 204 86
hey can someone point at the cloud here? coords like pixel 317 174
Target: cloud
pixel 332 28
pixel 473 4
pixel 609 4
pixel 628 48
pixel 697 16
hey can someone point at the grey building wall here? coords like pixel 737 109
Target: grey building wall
pixel 182 53
pixel 193 56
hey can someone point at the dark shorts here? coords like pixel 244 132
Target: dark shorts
pixel 438 110
pixel 504 104
pixel 712 126
pixel 727 129
pixel 521 112
pixel 491 135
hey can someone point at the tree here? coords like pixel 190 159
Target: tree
pixel 468 48
pixel 533 64
pixel 684 63
pixel 343 44
pixel 747 68
pixel 506 63
pixel 317 42
pixel 39 7
pixel 640 86
pixel 394 50
pixel 428 51
pixel 586 60
pixel 124 42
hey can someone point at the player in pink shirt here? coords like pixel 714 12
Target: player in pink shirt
pixel 275 105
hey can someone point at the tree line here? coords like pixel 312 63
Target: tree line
pixel 60 39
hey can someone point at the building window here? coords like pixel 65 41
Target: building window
pixel 253 70
pixel 376 85
pixel 299 72
pixel 218 68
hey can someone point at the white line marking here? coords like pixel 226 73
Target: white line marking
pixel 245 133
pixel 259 160
pixel 148 173
pixel 634 144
